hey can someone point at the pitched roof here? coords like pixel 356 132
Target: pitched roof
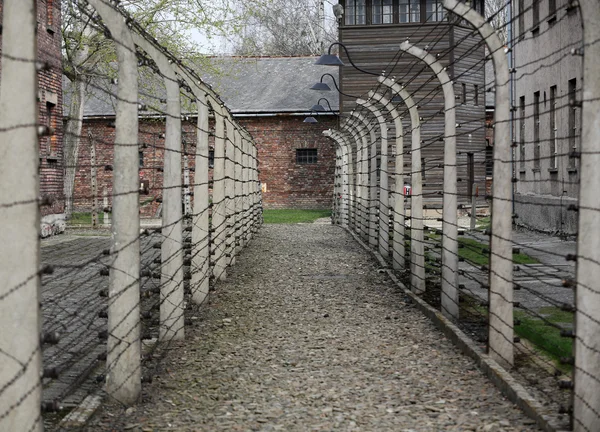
pixel 247 85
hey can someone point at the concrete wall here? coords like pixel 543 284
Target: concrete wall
pixel 546 213
pixel 543 59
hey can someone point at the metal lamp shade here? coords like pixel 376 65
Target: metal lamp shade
pixel 329 60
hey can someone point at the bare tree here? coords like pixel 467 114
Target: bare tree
pixel 498 10
pixel 89 57
pixel 285 28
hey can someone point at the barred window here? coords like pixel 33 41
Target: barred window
pixel 306 156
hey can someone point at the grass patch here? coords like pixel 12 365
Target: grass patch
pixel 84 218
pixel 294 216
pixel 545 337
pixel 484 222
pixel 477 253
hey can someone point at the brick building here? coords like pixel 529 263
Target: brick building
pixel 270 96
pixel 50 113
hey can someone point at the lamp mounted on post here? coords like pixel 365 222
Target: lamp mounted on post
pixel 333 60
pixel 321 86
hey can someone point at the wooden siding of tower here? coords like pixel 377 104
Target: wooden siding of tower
pixel 376 48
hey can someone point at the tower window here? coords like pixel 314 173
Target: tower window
pixel 356 12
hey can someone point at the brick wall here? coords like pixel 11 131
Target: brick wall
pixel 50 103
pixel 288 184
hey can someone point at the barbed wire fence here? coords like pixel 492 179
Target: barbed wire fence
pixel 533 309
pixel 111 308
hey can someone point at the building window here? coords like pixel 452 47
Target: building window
pixel 464 93
pixel 211 158
pixel 521 19
pixel 423 169
pixel 476 94
pixel 383 12
pixel 573 115
pixel 553 138
pixel 535 10
pixel 536 130
pixel 306 156
pixel 489 160
pixel 141 158
pixel 434 10
pixel 522 132
pixel 356 12
pixel 410 11
pixel 552 11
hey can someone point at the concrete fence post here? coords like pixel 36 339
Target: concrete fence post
pixel 230 191
pixel 123 378
pixel 372 177
pixel 239 194
pixel 586 403
pixel 449 212
pixel 246 189
pixel 357 122
pixel 398 261
pixel 344 176
pixel 171 274
pixel 383 237
pixel 501 343
pixel 219 218
pixel 417 246
pixel 20 319
pixel 200 265
pixel 355 176
pixel 335 215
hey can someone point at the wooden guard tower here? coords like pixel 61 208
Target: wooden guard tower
pixel 372 31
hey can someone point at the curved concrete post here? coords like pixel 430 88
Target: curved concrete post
pixel 384 205
pixel 343 172
pixel 587 345
pixel 359 124
pixel 449 212
pixel 501 265
pixel 230 191
pixel 349 173
pixel 172 305
pixel 355 144
pixel 246 188
pixel 20 381
pixel 200 253
pixel 239 195
pixel 398 261
pixel 372 176
pixel 219 216
pixel 417 247
pixel 123 378
pixel 200 263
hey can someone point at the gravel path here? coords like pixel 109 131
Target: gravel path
pixel 307 335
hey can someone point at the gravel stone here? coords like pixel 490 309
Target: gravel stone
pixel 309 345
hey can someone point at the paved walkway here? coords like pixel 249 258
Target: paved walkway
pixel 307 335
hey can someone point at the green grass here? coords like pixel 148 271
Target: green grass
pixel 477 253
pixel 294 216
pixel 484 222
pixel 85 218
pixel 545 337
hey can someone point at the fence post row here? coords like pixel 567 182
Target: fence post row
pixel 586 403
pixel 417 247
pixel 358 122
pixel 342 175
pixel 171 273
pixel 449 224
pixel 501 317
pixel 21 396
pixel 398 259
pixel 360 217
pixel 384 223
pixel 358 220
pixel 219 216
pixel 123 382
